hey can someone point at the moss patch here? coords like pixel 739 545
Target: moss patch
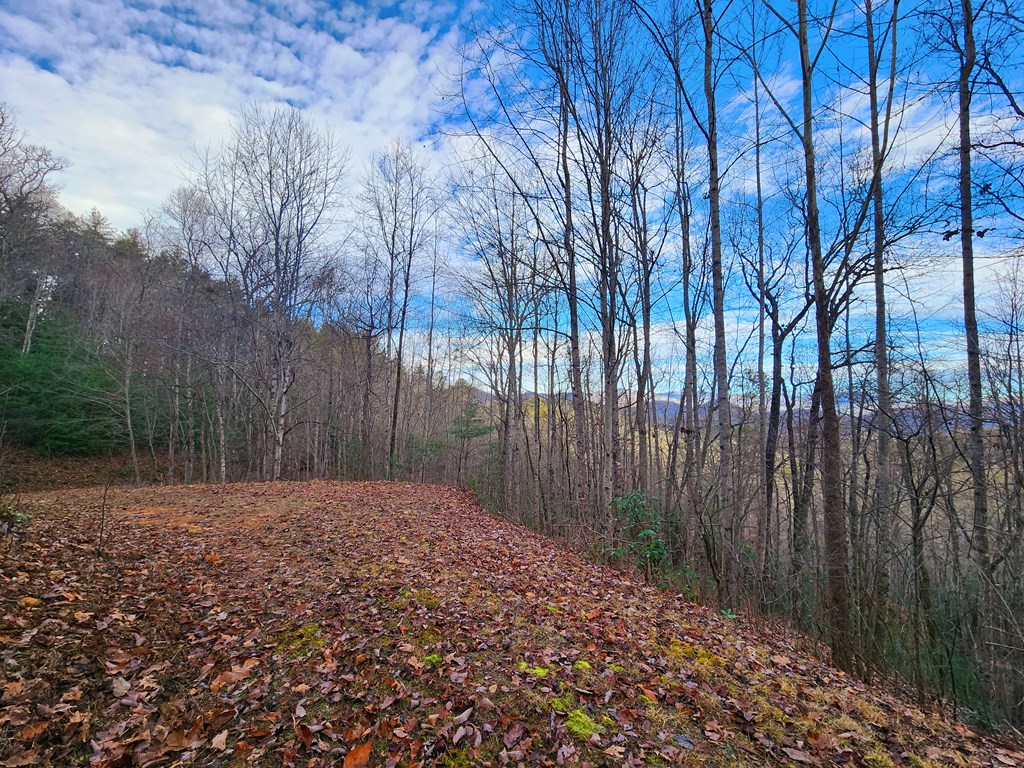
pixel 878 758
pixel 579 724
pixel 534 671
pixel 299 642
pixel 564 704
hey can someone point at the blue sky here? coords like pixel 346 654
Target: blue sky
pixel 124 89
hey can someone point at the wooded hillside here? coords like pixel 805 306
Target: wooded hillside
pixel 358 624
pixel 728 293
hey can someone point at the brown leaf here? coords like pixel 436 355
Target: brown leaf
pixel 233 675
pixel 30 602
pixel 305 733
pixel 220 741
pixel 32 730
pixel 513 736
pixel 460 719
pixel 13 688
pixel 359 757
pixel 820 740
pixel 23 758
pixel 801 756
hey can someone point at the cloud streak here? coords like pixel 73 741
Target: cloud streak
pixel 125 89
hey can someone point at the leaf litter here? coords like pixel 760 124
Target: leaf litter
pixel 357 624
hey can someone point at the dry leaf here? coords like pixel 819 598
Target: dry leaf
pixel 121 687
pixel 29 732
pixel 359 757
pixel 801 756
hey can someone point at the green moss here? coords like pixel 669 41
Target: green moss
pixel 422 597
pixel 426 598
pixel 522 666
pixel 299 642
pixel 456 760
pixel 696 660
pixel 554 609
pixel 878 758
pixel 429 636
pixel 433 660
pixel 582 666
pixel 617 668
pixel 579 724
pixel 564 704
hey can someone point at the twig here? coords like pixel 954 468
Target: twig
pixel 103 520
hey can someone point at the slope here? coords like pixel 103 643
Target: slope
pixel 363 624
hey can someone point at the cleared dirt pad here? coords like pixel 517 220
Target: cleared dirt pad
pixel 353 624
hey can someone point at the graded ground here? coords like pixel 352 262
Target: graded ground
pixel 353 624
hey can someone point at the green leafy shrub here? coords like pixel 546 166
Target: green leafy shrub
pixel 641 526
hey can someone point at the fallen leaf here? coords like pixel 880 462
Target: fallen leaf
pixel 13 688
pixel 801 756
pixel 30 602
pixel 29 732
pixel 359 757
pixel 220 741
pixel 513 736
pixel 22 758
pixel 121 687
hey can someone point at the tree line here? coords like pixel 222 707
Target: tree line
pixel 669 299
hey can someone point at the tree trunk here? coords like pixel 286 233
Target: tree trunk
pixel 838 602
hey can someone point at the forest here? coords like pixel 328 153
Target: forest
pixel 726 294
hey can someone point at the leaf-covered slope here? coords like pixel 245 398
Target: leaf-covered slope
pixel 385 624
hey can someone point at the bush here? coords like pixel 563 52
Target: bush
pixel 641 525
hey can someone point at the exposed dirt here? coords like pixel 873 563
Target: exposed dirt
pixel 359 624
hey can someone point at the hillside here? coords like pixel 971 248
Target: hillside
pixel 359 624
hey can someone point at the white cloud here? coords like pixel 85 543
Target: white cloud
pixel 125 90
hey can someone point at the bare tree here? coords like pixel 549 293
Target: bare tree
pixel 400 205
pixel 270 190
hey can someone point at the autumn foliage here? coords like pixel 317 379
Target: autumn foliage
pixel 356 624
